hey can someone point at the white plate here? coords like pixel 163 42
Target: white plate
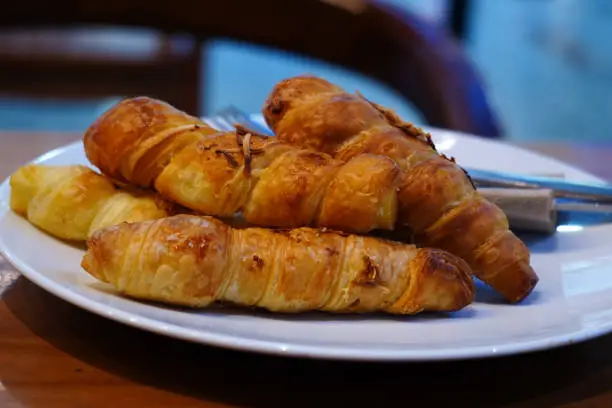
pixel 572 302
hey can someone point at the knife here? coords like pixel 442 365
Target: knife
pixel 562 188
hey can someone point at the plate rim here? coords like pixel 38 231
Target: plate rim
pixel 271 347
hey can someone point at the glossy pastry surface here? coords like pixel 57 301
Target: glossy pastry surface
pixel 436 198
pixel 198 260
pixel 148 143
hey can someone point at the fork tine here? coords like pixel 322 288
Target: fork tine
pixel 211 121
pixel 219 122
pixel 232 115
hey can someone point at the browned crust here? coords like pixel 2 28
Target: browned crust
pixel 195 261
pixel 114 137
pixel 148 143
pixel 313 112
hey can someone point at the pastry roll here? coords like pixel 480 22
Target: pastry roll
pixel 436 198
pixel 195 261
pixel 147 143
pixel 71 202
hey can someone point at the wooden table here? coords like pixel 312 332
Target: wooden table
pixel 54 355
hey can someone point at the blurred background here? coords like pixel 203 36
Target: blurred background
pixel 544 67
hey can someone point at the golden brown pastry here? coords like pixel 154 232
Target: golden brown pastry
pixel 436 197
pixel 197 260
pixel 148 143
pixel 70 202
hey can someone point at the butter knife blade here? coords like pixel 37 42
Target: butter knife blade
pixel 562 188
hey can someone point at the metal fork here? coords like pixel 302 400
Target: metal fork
pixel 594 192
pixel 226 118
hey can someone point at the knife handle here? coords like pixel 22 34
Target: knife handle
pixel 527 210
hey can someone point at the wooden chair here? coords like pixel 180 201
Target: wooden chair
pixel 418 59
pixel 61 63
